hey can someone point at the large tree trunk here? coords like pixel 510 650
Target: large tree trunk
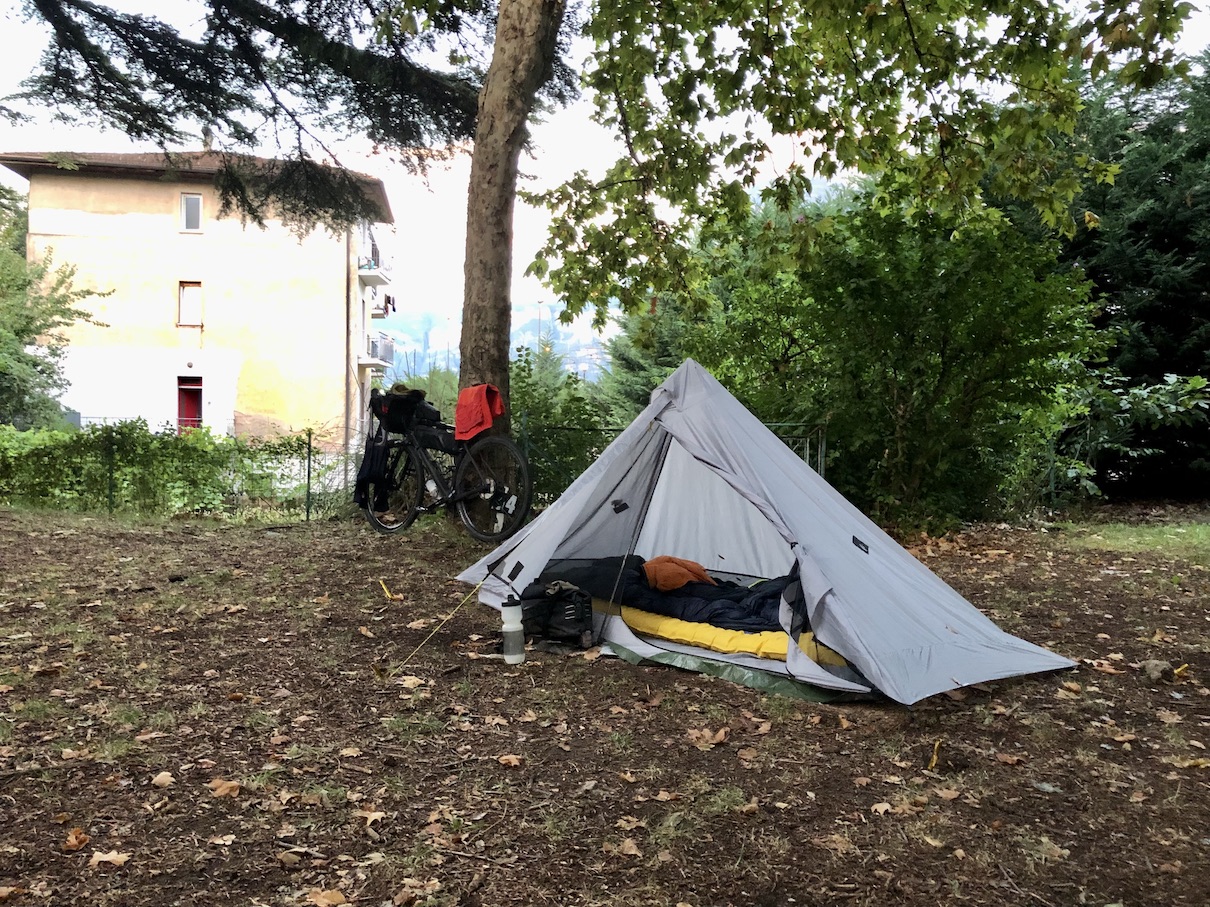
pixel 521 61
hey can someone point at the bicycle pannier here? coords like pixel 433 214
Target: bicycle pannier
pixel 559 612
pixel 373 471
pixel 396 411
pixel 434 437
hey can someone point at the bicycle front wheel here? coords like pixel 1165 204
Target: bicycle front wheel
pixel 493 489
pixel 393 503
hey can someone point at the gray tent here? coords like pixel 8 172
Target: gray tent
pixel 698 476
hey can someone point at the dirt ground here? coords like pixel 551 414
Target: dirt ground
pixel 193 713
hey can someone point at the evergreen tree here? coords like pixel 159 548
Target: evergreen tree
pixel 1149 261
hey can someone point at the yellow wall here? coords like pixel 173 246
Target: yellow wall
pixel 274 304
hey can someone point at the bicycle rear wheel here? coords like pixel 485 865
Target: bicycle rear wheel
pixel 392 504
pixel 494 489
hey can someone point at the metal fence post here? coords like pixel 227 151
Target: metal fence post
pixel 110 456
pixel 309 434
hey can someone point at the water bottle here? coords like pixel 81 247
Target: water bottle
pixel 514 634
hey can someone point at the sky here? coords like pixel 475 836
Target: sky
pixel 425 246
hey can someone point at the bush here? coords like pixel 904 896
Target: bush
pixel 126 467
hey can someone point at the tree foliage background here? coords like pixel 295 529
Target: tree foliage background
pixel 1149 263
pixel 36 302
pixel 940 99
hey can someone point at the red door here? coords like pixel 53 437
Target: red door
pixel 188 403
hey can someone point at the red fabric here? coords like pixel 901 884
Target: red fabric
pixel 477 408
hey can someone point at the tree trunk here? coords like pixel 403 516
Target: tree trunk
pixel 521 62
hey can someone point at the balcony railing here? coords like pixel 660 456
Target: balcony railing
pixel 379 352
pixel 372 272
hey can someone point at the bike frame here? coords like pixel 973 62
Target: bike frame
pixel 445 491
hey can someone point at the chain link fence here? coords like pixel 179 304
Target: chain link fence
pixel 557 454
pixel 124 467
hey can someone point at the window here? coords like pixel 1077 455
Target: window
pixel 189 304
pixel 188 403
pixel 191 212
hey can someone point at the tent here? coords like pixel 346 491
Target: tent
pixel 698 476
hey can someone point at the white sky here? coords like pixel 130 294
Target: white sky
pixel 430 221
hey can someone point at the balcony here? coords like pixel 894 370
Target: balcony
pixel 381 308
pixel 379 352
pixel 371 272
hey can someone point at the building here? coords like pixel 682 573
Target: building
pixel 207 320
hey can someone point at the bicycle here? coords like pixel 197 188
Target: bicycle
pixel 485 480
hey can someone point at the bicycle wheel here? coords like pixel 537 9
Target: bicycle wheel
pixel 494 478
pixel 392 504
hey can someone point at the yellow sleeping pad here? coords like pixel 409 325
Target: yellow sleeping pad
pixel 769 644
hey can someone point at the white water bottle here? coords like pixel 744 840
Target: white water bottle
pixel 514 633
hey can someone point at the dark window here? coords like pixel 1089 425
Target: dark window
pixel 191 212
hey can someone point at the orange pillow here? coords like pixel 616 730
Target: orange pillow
pixel 667 573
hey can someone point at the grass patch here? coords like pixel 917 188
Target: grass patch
pixel 1189 541
pixel 113 749
pixel 38 709
pixel 125 715
pixel 410 728
pixel 724 800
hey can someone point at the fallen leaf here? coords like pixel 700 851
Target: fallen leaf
pixel 663 796
pixel 881 808
pixel 1202 762
pixel 510 760
pixel 592 654
pixel 947 793
pixel 1009 758
pixel 705 739
pixel 221 840
pixel 163 779
pixel 861 782
pixel 76 838
pixel 221 788
pixel 1168 716
pixel 628 776
pixel 113 858
pixel 368 634
pixel 7 892
pixel 933 842
pixel 325 898
pixel 629 848
pixel 349 752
